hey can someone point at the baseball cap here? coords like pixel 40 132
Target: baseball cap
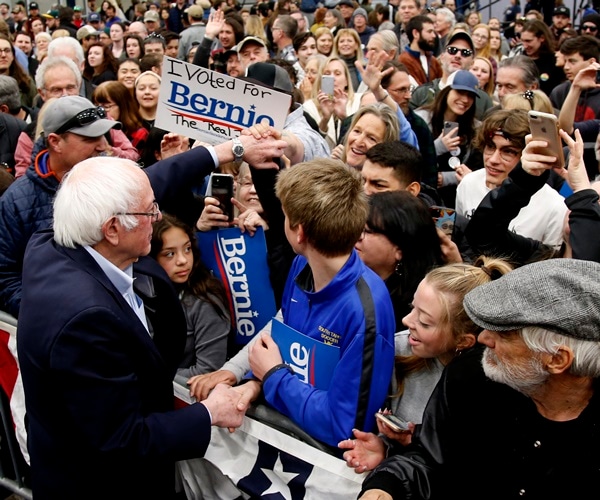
pixel 51 14
pixel 86 31
pixel 152 16
pixel 34 5
pixel 465 80
pixel 94 17
pixel 349 3
pixel 195 11
pixel 561 10
pixel 17 8
pixel 270 75
pixel 461 35
pixel 560 295
pixel 78 115
pixel 250 39
pixel 77 8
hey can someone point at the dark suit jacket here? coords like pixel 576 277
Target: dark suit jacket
pixel 99 394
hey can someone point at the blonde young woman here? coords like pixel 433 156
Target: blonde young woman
pixel 496 45
pixel 481 35
pixel 347 46
pixel 330 110
pixel 311 71
pixel 484 72
pixel 324 38
pixel 438 330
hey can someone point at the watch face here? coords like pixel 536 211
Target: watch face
pixel 238 150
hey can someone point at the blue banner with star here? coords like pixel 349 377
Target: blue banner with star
pixel 240 261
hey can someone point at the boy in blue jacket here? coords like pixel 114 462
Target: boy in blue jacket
pixel 331 296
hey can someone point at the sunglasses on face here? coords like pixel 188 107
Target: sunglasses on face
pixel 463 52
pixel 589 27
pixel 82 119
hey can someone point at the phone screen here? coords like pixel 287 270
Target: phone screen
pixel 444 218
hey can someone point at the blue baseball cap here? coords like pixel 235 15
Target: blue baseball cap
pixel 94 17
pixel 465 80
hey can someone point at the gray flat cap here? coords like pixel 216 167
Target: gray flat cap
pixel 560 295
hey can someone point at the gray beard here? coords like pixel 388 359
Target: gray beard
pixel 525 377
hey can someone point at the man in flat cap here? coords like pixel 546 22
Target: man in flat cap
pixel 517 418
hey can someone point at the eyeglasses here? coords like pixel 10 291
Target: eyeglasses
pixel 6 51
pixel 507 154
pixel 368 230
pixel 479 36
pixel 82 119
pixel 154 215
pixel 589 27
pixel 60 91
pixel 463 52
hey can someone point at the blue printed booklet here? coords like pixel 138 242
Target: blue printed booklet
pixel 312 360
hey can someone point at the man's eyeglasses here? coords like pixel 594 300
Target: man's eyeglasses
pixel 463 52
pixel 6 51
pixel 153 215
pixel 82 119
pixel 589 27
pixel 507 154
pixel 60 91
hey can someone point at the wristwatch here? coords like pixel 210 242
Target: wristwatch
pixel 237 149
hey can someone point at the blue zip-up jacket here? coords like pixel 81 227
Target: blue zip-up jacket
pixel 356 310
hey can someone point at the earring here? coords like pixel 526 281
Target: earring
pixel 399 268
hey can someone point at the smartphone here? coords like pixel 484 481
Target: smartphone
pixel 449 127
pixel 392 421
pixel 598 76
pixel 327 84
pixel 444 218
pixel 544 126
pixel 220 186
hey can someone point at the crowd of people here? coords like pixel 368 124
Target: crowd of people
pixel 410 218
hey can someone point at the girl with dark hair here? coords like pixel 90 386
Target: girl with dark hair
pixel 538 43
pixel 117 44
pixel 129 70
pixel 456 156
pixel 10 67
pixel 400 243
pixel 202 296
pixel 100 65
pixel 134 46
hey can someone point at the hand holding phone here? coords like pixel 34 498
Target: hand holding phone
pixel 220 186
